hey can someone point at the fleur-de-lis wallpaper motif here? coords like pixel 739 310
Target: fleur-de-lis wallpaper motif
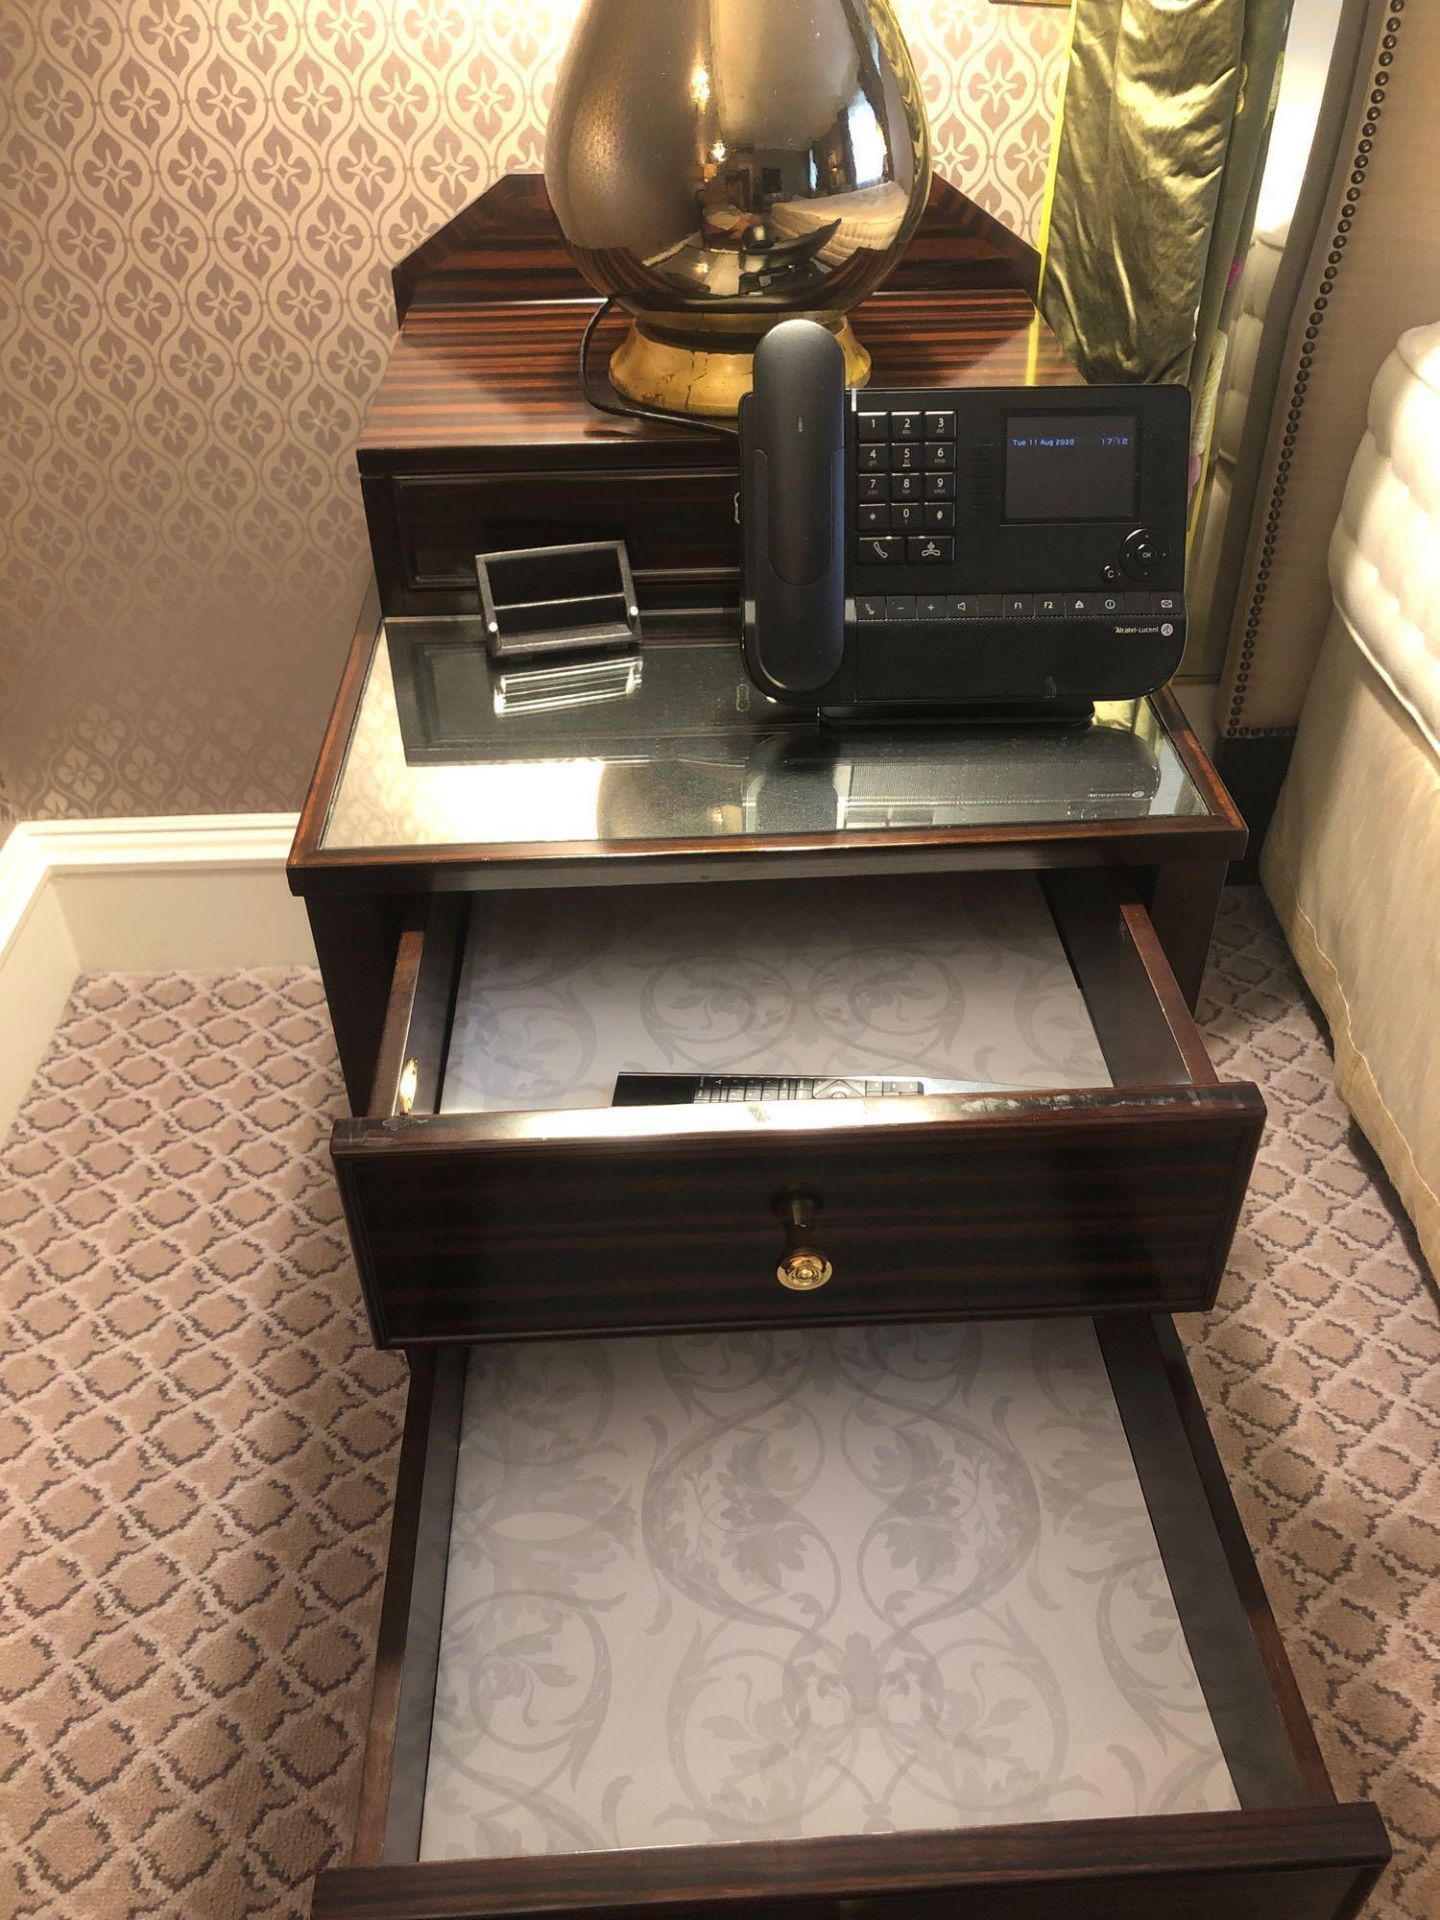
pixel 200 202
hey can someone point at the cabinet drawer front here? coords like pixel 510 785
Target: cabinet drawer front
pixel 477 1227
pixel 427 528
pixel 473 1224
pixel 1312 1864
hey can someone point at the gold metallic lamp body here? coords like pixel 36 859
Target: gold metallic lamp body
pixel 719 165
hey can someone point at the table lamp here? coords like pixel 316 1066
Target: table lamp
pixel 719 165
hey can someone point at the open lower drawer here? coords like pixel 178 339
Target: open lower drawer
pixel 933 1619
pixel 494 1191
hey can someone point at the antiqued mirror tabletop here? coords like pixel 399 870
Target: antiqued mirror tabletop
pixel 672 744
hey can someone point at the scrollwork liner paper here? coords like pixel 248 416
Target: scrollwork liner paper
pixel 200 201
pixel 776 1585
pixel 886 975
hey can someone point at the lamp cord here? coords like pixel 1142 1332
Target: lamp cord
pixel 632 412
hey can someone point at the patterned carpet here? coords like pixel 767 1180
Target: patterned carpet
pixel 197 1445
pixel 198 1448
pixel 1320 1370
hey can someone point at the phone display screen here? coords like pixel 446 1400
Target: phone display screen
pixel 1071 466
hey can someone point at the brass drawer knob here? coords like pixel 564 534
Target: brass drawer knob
pixel 804 1267
pixel 803 1272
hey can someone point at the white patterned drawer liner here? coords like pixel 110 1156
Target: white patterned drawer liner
pixel 774 1585
pixel 961 977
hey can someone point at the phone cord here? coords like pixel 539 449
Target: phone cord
pixel 625 411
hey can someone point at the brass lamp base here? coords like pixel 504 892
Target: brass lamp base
pixel 686 378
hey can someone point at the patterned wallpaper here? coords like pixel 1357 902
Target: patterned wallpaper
pixel 199 204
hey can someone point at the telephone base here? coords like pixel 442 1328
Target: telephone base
pixel 962 714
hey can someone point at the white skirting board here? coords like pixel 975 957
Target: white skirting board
pixel 134 895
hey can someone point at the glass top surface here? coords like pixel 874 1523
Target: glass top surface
pixel 450 749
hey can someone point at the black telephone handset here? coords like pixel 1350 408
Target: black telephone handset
pixel 968 551
pixel 792 440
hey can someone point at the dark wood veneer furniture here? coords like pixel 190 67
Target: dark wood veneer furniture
pixel 1117 1201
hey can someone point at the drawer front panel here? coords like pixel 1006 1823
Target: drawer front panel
pixel 427 529
pixel 485 1227
pixel 1313 1863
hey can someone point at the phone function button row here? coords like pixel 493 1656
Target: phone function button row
pixel 1011 606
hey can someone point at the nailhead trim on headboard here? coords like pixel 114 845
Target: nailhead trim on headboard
pixel 1359 163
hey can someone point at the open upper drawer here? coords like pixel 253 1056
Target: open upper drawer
pixel 1097 1163
pixel 862 1624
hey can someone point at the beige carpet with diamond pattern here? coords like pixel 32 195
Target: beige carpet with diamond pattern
pixel 197 1445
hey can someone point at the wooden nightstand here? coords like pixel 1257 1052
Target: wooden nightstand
pixel 470 831
pixel 912 1590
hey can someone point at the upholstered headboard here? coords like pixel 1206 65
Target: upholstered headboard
pixel 1374 270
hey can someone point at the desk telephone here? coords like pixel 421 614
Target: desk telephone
pixel 1007 549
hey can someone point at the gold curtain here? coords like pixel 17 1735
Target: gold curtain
pixel 1156 169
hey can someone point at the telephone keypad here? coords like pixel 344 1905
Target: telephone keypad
pixel 917 450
